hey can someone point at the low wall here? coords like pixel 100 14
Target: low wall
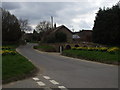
pixel 82 44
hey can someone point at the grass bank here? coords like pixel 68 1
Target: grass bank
pixel 98 56
pixel 15 66
pixel 45 48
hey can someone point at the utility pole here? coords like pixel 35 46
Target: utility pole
pixel 119 4
pixel 52 22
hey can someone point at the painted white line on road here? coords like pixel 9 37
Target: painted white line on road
pixel 36 79
pixel 46 77
pixel 41 83
pixel 53 81
pixel 61 87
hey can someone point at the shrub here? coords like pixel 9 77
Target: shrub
pixel 79 48
pixel 103 48
pixel 113 49
pixel 35 47
pixel 7 52
pixel 76 45
pixel 68 47
pixel 73 48
pixel 60 37
pixel 5 48
pixel 50 39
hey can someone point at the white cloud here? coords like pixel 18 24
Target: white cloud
pixel 77 15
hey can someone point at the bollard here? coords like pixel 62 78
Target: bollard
pixel 60 49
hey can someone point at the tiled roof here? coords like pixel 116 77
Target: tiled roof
pixel 62 26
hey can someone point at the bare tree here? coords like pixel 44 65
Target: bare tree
pixel 43 26
pixel 24 25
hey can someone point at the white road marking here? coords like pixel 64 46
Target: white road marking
pixel 53 81
pixel 36 79
pixel 46 77
pixel 41 83
pixel 61 87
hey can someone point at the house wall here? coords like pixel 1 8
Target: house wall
pixel 85 36
pixel 67 32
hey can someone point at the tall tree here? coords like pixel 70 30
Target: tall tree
pixel 11 31
pixel 106 28
pixel 24 25
pixel 35 36
pixel 43 26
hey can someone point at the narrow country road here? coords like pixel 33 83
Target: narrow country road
pixel 58 71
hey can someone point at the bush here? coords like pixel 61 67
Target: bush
pixel 35 47
pixel 76 45
pixel 103 49
pixel 58 37
pixel 50 39
pixel 68 47
pixel 73 48
pixel 5 48
pixel 113 49
pixel 8 52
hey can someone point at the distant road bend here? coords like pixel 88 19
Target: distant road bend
pixel 64 72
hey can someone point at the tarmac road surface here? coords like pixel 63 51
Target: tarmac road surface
pixel 57 71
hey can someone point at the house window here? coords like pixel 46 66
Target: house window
pixel 75 36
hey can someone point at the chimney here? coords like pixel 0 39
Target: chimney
pixel 54 25
pixel 52 22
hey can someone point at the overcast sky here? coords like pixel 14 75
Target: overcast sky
pixel 75 15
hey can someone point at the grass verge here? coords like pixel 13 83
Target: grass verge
pixel 98 56
pixel 45 48
pixel 16 67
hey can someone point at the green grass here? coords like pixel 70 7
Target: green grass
pixel 15 67
pixel 0 67
pixel 98 56
pixel 45 48
pixel 11 46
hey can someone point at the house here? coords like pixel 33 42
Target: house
pixel 61 28
pixel 65 30
pixel 84 35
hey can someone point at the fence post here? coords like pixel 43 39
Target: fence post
pixel 60 49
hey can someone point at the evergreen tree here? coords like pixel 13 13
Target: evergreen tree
pixel 106 28
pixel 11 31
pixel 35 36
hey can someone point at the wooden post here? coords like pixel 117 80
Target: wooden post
pixel 60 49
